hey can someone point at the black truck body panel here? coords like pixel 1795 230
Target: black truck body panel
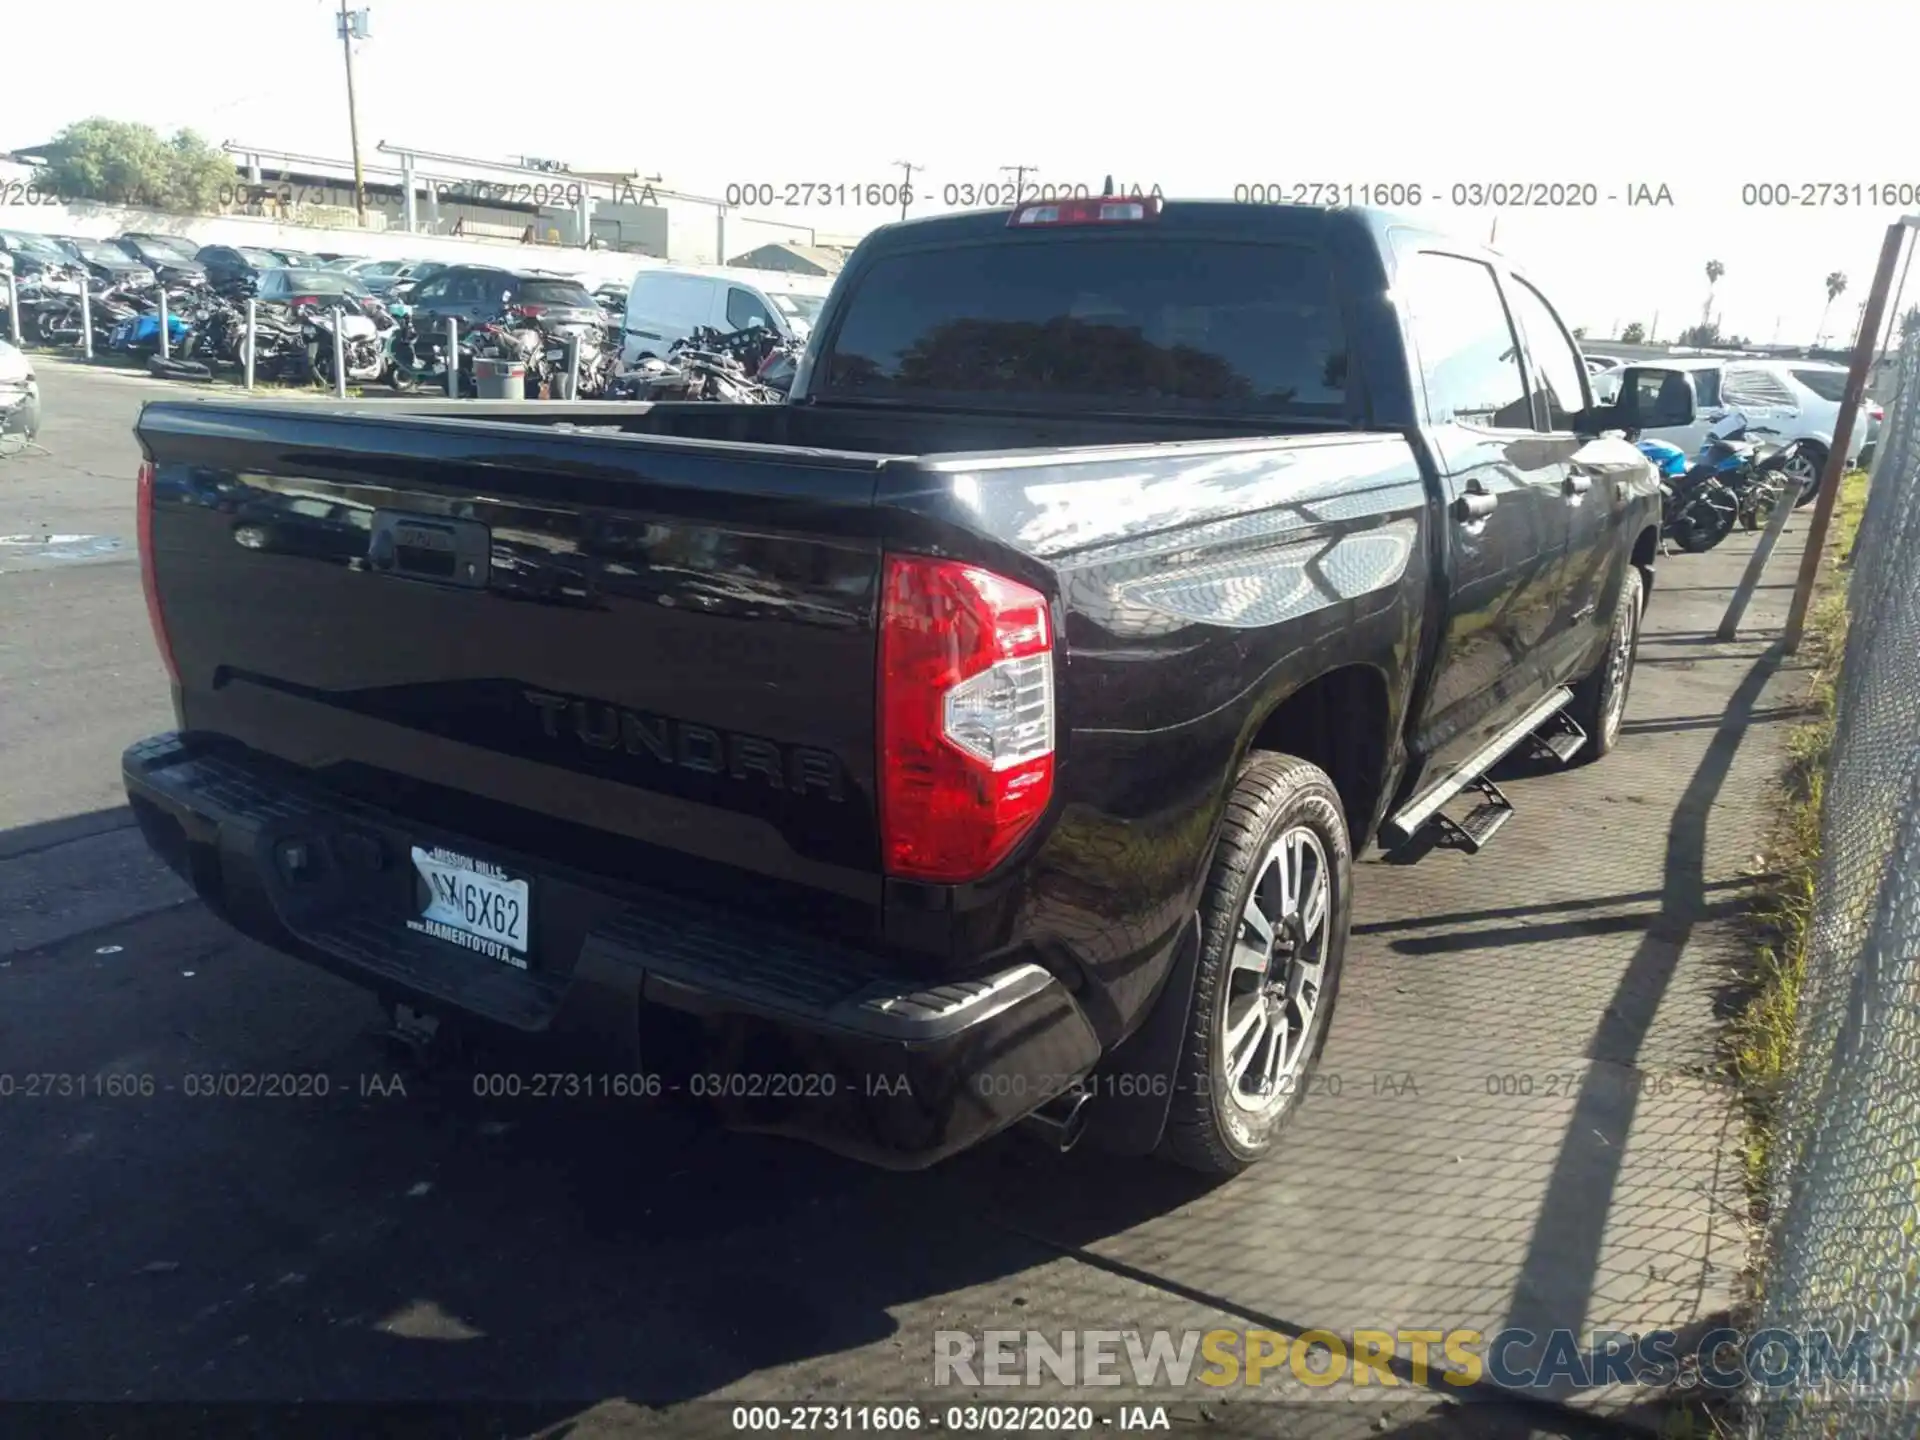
pixel 629 652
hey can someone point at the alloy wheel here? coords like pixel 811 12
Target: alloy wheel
pixel 1277 970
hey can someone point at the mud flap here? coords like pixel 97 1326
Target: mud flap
pixel 1124 1123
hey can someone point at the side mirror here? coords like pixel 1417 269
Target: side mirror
pixel 1650 398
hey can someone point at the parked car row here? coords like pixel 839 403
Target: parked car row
pixel 1795 403
pixel 144 257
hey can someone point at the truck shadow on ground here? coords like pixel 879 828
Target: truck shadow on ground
pixel 421 1242
pixel 406 1240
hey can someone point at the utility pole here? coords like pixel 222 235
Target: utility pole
pixel 352 23
pixel 1020 173
pixel 906 190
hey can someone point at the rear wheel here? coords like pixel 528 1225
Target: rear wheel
pixel 1803 469
pixel 1600 700
pixel 1706 518
pixel 1274 933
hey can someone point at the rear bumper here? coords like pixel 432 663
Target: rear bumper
pixel 818 1042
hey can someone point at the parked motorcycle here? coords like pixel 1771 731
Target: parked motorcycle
pixel 50 308
pixel 417 359
pixel 1754 469
pixel 706 365
pixel 139 333
pixel 1697 510
pixel 363 346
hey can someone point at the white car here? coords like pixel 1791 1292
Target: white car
pixel 1796 400
pixel 666 303
pixel 19 394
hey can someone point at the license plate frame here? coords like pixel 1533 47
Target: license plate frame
pixel 463 900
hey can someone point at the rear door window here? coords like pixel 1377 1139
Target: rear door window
pixel 1558 392
pixel 555 292
pixel 1827 384
pixel 1099 320
pixel 1469 354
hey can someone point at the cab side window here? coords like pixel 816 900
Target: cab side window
pixel 1469 354
pixel 744 308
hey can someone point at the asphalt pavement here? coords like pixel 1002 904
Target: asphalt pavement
pixel 354 1232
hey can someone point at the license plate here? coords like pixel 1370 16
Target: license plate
pixel 471 903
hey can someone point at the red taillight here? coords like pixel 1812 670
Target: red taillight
pixel 144 522
pixel 1874 412
pixel 527 312
pixel 966 717
pixel 305 300
pixel 1101 210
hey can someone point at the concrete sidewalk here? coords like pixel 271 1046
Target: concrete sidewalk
pixel 1520 1119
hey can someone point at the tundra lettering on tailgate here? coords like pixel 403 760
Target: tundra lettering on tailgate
pixel 796 768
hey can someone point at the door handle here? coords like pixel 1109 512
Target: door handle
pixel 1473 506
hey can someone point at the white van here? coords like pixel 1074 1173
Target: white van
pixel 666 303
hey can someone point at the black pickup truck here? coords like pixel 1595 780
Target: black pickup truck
pixel 982 737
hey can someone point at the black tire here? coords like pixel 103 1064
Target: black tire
pixel 171 369
pixel 1208 1128
pixel 1703 525
pixel 1816 455
pixel 1600 700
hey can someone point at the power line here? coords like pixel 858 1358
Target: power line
pixel 1020 173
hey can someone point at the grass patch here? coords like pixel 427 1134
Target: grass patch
pixel 1762 1035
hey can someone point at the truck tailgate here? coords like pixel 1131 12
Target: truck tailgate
pixel 666 647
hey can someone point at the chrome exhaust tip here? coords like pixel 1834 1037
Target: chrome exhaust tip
pixel 1060 1122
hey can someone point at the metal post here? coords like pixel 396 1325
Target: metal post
pixel 86 317
pixel 720 234
pixel 166 350
pixel 453 358
pixel 1776 525
pixel 573 368
pixel 339 354
pixel 1864 344
pixel 412 206
pixel 13 306
pixel 252 307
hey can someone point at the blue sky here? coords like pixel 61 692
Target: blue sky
pixel 1197 97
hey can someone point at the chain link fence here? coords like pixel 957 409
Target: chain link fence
pixel 1845 1243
